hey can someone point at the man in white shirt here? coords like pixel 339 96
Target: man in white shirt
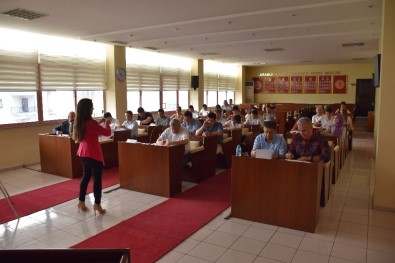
pixel 130 124
pixel 317 119
pixel 175 135
pixel 254 119
pixel 195 114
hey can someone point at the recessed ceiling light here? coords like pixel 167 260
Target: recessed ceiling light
pixel 273 49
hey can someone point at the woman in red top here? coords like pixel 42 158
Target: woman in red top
pixel 86 132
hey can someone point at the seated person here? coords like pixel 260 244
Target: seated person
pixel 162 118
pixel 336 126
pixel 114 123
pixel 343 106
pixel 175 135
pixel 231 102
pixel 307 145
pixel 204 111
pixel 327 120
pixel 316 119
pixel 130 124
pixel 195 114
pixel 210 127
pixel 269 139
pixel 235 111
pixel 219 116
pixel 226 106
pixel 66 127
pixel 347 120
pixel 254 119
pixel 178 115
pixel 234 123
pixel 269 115
pixel 145 118
pixel 252 107
pixel 190 123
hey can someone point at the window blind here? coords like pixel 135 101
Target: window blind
pixel 175 78
pixel 226 82
pixel 18 70
pixel 142 77
pixel 61 72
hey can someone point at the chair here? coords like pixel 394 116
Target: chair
pixel 203 160
pixel 326 184
pixel 336 168
pixel 224 157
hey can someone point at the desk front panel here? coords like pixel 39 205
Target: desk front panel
pixel 151 169
pixel 277 192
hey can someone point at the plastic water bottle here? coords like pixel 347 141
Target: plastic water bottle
pixel 238 150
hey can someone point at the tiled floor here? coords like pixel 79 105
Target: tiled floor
pixel 348 230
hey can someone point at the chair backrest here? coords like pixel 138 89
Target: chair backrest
pixel 236 135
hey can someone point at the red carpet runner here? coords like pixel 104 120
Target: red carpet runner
pixel 153 233
pixel 43 198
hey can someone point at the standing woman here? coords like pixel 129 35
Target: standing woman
pixel 86 132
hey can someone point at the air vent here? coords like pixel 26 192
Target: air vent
pixel 152 48
pixel 356 44
pixel 120 42
pixel 359 59
pixel 273 49
pixel 209 54
pixel 306 61
pixel 23 14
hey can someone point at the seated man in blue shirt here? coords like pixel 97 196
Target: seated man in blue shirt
pixel 210 127
pixel 190 123
pixel 162 118
pixel 269 139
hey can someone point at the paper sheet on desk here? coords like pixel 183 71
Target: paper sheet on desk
pixel 298 161
pixel 264 154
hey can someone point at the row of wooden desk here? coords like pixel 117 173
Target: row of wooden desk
pixel 278 192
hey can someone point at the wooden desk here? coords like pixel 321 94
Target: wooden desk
pixel 277 192
pixel 151 169
pixel 58 155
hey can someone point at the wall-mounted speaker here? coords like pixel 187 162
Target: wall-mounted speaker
pixel 195 82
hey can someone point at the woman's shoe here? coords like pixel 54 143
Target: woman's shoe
pixel 99 209
pixel 82 206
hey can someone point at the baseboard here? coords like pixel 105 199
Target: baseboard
pixel 17 167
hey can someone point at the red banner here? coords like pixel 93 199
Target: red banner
pixel 310 84
pixel 297 84
pixel 339 84
pixel 258 85
pixel 324 84
pixel 282 85
pixel 269 84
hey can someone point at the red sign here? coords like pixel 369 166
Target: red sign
pixel 282 85
pixel 296 84
pixel 324 84
pixel 258 85
pixel 310 84
pixel 269 84
pixel 339 84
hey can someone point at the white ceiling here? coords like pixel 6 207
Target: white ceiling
pixel 231 31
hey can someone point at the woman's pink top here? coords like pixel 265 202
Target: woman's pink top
pixel 90 146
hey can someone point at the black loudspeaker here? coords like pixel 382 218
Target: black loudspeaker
pixel 195 82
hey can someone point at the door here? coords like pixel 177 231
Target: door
pixel 364 97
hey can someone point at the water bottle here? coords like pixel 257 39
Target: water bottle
pixel 238 150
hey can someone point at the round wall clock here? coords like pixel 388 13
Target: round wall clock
pixel 120 73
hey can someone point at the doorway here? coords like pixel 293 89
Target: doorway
pixel 364 97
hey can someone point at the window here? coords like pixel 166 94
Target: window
pixel 169 100
pixel 183 99
pixel 97 98
pixel 66 66
pixel 221 78
pixel 133 100
pixel 51 102
pixel 150 100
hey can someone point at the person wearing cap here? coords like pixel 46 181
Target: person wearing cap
pixel 269 139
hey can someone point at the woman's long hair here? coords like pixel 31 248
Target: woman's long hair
pixel 83 114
